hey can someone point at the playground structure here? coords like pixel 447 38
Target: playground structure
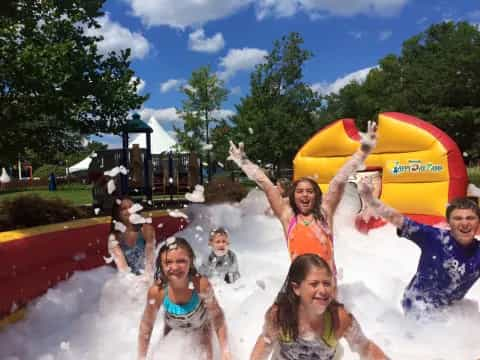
pixel 171 173
pixel 421 167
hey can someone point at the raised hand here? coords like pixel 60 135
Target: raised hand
pixel 236 154
pixel 368 140
pixel 365 187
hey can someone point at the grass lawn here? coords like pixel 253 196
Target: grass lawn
pixel 76 194
pixel 82 194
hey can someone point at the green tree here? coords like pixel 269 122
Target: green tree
pixel 436 77
pixel 220 136
pixel 54 85
pixel 279 114
pixel 205 94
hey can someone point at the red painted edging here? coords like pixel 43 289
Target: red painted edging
pixel 32 264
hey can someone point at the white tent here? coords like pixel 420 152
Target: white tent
pixel 80 166
pixel 160 139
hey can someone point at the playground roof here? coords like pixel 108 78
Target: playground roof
pixel 137 126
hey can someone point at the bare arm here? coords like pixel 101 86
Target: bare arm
pixel 149 234
pixel 154 301
pixel 337 184
pixel 216 315
pixel 381 209
pixel 264 345
pixel 255 173
pixel 360 344
pixel 117 253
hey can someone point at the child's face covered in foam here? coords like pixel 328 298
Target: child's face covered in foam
pixel 219 244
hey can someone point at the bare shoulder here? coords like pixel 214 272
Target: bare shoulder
pixel 342 319
pixel 202 284
pixel 156 292
pixel 271 315
pixel 149 231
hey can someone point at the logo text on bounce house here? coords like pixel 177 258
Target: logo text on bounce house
pixel 415 166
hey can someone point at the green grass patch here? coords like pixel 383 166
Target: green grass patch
pixel 474 175
pixel 77 194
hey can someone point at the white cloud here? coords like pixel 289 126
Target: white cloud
pixel 236 90
pixel 183 13
pixel 474 14
pixel 322 8
pixel 164 115
pixel 223 113
pixel 116 38
pixel 141 85
pixel 198 42
pixel 325 88
pixel 384 35
pixel 240 60
pixel 356 34
pixel 171 84
pixel 422 20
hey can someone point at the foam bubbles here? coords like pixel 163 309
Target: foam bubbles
pixel 98 312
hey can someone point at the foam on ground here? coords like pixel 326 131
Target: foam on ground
pixel 95 314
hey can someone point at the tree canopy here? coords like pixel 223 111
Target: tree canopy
pixel 436 77
pixel 54 85
pixel 279 114
pixel 205 94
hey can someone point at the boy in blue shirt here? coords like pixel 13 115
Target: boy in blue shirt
pixel 449 263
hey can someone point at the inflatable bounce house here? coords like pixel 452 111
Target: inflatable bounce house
pixel 420 167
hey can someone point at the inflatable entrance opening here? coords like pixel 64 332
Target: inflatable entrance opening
pixel 420 168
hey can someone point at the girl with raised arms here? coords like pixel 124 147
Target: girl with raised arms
pixel 307 218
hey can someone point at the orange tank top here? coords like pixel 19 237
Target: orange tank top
pixel 309 239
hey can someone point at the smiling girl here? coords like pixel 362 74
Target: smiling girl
pixel 188 299
pixel 307 218
pixel 305 322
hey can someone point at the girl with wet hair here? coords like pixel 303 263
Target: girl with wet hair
pixel 305 322
pixel 188 299
pixel 307 218
pixel 131 242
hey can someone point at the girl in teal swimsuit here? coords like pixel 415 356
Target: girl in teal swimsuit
pixel 305 322
pixel 188 299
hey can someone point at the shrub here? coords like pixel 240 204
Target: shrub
pixel 45 170
pixel 474 175
pixel 224 189
pixel 33 210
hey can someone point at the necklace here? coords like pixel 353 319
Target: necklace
pixel 306 222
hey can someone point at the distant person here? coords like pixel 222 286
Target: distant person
pixel 307 218
pixel 132 245
pixel 221 262
pixel 305 322
pixel 52 182
pixel 449 263
pixel 101 199
pixel 188 301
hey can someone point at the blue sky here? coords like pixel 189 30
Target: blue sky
pixel 169 39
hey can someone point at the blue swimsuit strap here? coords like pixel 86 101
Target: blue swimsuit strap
pixel 139 243
pixel 181 309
